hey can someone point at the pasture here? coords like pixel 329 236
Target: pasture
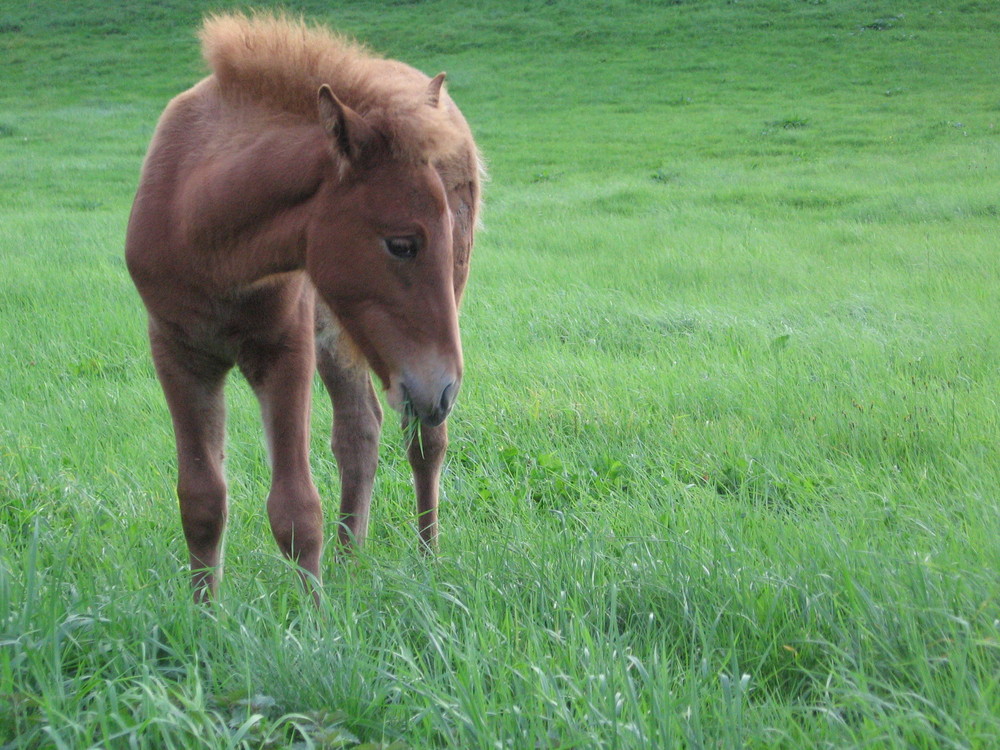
pixel 724 467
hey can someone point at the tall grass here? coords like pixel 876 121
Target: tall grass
pixel 723 472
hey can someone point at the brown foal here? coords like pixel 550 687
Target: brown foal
pixel 306 206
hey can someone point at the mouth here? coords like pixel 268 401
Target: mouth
pixel 429 418
pixel 410 421
pixel 429 412
pixel 408 410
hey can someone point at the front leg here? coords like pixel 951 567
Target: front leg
pixel 192 384
pixel 426 454
pixel 279 368
pixel 357 424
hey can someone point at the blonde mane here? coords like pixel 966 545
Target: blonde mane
pixel 279 63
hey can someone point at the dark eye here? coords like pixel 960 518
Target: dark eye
pixel 402 247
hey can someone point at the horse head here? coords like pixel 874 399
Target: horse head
pixel 379 252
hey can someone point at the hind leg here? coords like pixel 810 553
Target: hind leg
pixel 357 423
pixel 280 372
pixel 192 384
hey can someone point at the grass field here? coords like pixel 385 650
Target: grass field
pixel 724 468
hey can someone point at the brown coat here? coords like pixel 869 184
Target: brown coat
pixel 306 205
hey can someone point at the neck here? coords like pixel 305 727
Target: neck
pixel 250 204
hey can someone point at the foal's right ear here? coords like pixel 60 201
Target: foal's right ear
pixel 346 128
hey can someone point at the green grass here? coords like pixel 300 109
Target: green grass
pixel 724 469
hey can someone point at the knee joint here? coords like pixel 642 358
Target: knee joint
pixel 427 448
pixel 356 435
pixel 203 510
pixel 296 516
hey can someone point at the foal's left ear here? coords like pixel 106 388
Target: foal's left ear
pixel 346 128
pixel 434 89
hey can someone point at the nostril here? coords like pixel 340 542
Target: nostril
pixel 448 397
